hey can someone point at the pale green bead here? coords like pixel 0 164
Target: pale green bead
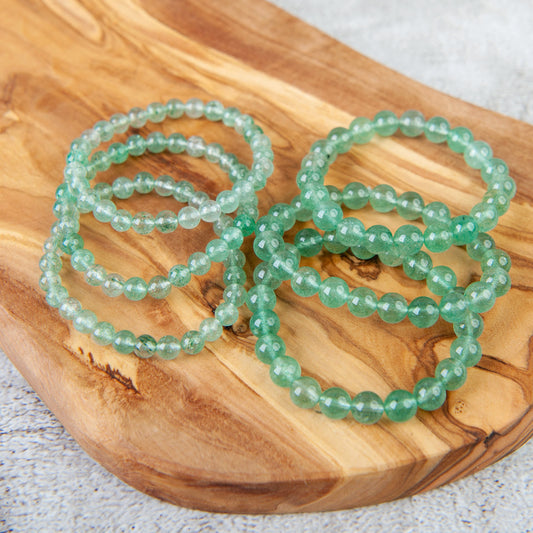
pixel 412 123
pixel 144 182
pixel 327 215
pixel 118 153
pixel 211 329
pixel 391 257
pixel 124 341
pixel 301 213
pixel 235 294
pixel 159 287
pixel 214 110
pixel 452 373
pixel 499 200
pixel 194 108
pixel 269 347
pixel 332 244
pixel 266 244
pixel 437 129
pixel 378 239
pixel 156 142
pixel 383 198
pixel 485 215
pixel 264 322
pixel 143 223
pixel 498 279
pixel 176 143
pixel 467 350
pixel 479 246
pixel 480 297
pixel 145 346
pixel 495 257
pixel 135 289
pixel 459 139
pixel 245 223
pixel 284 213
pixel 103 333
pixel 71 243
pixel 120 122
pixel 233 237
pixel 494 168
pixel 438 238
pixel 418 266
pixel 165 185
pixel 49 279
pixel 196 146
pixel 335 403
pixel 156 112
pixel 309 242
pixel 199 263
pixel 283 264
pixel 361 252
pixel 85 321
pixel 174 108
pixel 95 275
pixel 166 221
pixel 313 195
pixel 69 308
pixel 123 188
pixel 306 282
pixel 284 370
pixel 217 250
pixel 104 210
pixel 260 297
pixel 136 145
pixel 168 347
pixel 334 194
pixel 400 405
pixel 471 326
pixel 453 306
pixel 50 262
pixel 362 302
pixel 410 205
pixel 192 342
pixel 121 220
pixel 113 285
pixel 350 231
pixel 230 115
pixel 179 275
pixel 355 195
pixel 81 260
pixel 56 295
pixel 341 139
pixel 235 258
pixel 263 275
pixel 436 213
pixel 477 154
pixel 423 312
pixel 367 407
pixel 333 292
pixel 227 314
pixel 305 392
pixel 104 129
pixel 408 240
pixel 386 123
pixel 362 130
pixel 209 211
pixel 188 217
pixel 464 229
pixel 430 394
pixel 440 280
pixel 228 201
pixel 213 152
pixel 392 308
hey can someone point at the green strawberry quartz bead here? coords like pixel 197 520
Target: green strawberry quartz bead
pixel 305 392
pixel 284 371
pixel 400 406
pixel 367 407
pixel 335 403
pixel 430 393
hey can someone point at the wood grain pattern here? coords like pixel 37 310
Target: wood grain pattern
pixel 211 431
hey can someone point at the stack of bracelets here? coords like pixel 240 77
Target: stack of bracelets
pixel 281 260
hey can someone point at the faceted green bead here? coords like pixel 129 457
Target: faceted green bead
pixel 159 287
pixel 362 130
pixel 480 297
pixel 199 263
pixel 306 282
pixel 441 280
pixel 143 223
pixel 284 370
pixel 179 275
pixel 481 244
pixel 367 407
pixel 386 123
pixel 264 322
pixel 135 289
pixel 305 392
pixel 453 306
pixel 113 285
pixel 495 257
pixel 121 220
pixel 333 292
pixel 81 260
pixel 168 347
pixel 485 215
pixel 452 373
pixel 362 302
pixel 341 138
pixel 360 251
pixel 166 221
pixel 234 274
pixel 124 341
pixel 410 205
pixel 335 403
pixel 210 329
pixel 260 297
pixel 467 350
pixel 355 195
pixel 103 333
pixel 332 244
pixel 283 265
pixel 192 342
pixel 423 312
pixel 459 139
pixel 378 239
pixel 227 314
pixel 438 237
pixel 383 198
pixel 123 188
pixel 437 129
pixel 269 347
pixel 309 242
pixel 350 231
pixel 266 244
pixel 400 405
pixel 430 394
pixel 408 240
pixel 392 308
pixel 235 294
pixel 477 154
pixel 412 123
pixel 497 279
pixel 327 215
pixel 145 347
pixel 263 275
pixel 95 275
pixel 471 326
pixel 418 266
pixel 436 213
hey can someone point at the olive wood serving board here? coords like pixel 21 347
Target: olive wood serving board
pixel 211 431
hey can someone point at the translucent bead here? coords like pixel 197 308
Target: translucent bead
pixel 165 185
pixel 217 250
pixel 135 289
pixel 234 274
pixel 104 129
pixel 367 407
pixel 194 108
pixel 228 201
pixel 383 198
pixel 209 211
pixel 230 115
pixel 495 257
pixel 441 280
pixel 95 275
pixel 283 264
pixel 334 194
pixel 430 394
pixel 174 108
pixel 137 117
pixel 50 262
pixel 121 220
pixel 378 239
pixel 166 221
pixel 467 350
pixel 392 308
pixel 48 280
pixel 400 406
pixel 269 347
pixel 355 195
pixel 499 200
pixel 438 238
pixel 284 213
pixel 69 308
pixel 423 312
pixel 477 154
pixel 335 403
pixel 437 129
pixel 124 341
pixel 332 244
pixel 81 260
pixel 159 287
pixel 244 223
pixel 214 110
pixel 176 143
pixel 192 342
pixel 104 210
pixel 284 370
pixel 471 326
pixel 168 347
pixel 113 285
pixel 235 294
pixel 103 333
pixel 179 275
pixel 497 279
pixel 452 373
pixel 391 257
pixel 260 297
pixel 333 292
pixel 436 213
pixel 305 392
pixel 156 112
pixel 233 237
pixel 136 145
pixel 350 231
pixel 144 182
pixel 235 258
pixel 309 242
pixel 56 295
pixel 361 252
pixel 408 240
pixel 386 123
pixel 199 263
pixel 480 297
pixel 327 216
pixel 264 322
pixel 313 195
pixel 266 244
pixel 188 217
pixel 118 153
pixel 269 223
pixel 300 212
pixel 412 123
pixel 85 321
pixel 143 223
pixel 227 314
pixel 145 346
pixel 479 246
pixel 213 152
pixel 459 139
pixel 210 329
pixel 306 282
pixel 196 146
pixel 120 122
pixel 362 130
pixel 494 168
pixel 485 215
pixel 410 205
pixel 263 275
pixel 453 306
pixel 418 266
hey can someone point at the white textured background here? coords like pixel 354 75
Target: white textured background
pixel 480 51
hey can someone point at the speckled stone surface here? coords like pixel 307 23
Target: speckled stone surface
pixel 479 51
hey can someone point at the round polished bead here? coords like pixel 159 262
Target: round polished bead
pixel 124 341
pixel 69 308
pixel 194 108
pixel 480 297
pixel 494 168
pixel 497 279
pixel 459 139
pixel 438 237
pixel 156 112
pixel 412 123
pixel 408 240
pixel 452 373
pixel 264 322
pixel 234 274
pixel 423 312
pixel 50 262
pixel 269 347
pixel 441 280
pixel 245 223
pixel 355 195
pixel 228 201
pixel 179 275
pixel 410 205
pixel 437 129
pixel 350 231
pixel 143 223
pixel 284 370
pixel 210 329
pixel 378 239
pixel 263 275
pixel 266 244
pixel 306 282
pixel 485 215
pixel 309 242
pixel 159 287
pixel 71 243
pixel 165 185
pixel 477 154
pixel 214 110
pixel 453 306
pixel 192 342
pixel 233 237
pixel 227 314
pixel 333 292
pixel 362 302
pixel 260 297
pixel 305 392
pixel 113 285
pixel 332 244
pixel 183 191
pixel 335 403
pixel 199 263
pixel 217 250
pixel 362 130
pixel 360 251
pixel 479 246
pixel 81 260
pixel 103 333
pixel 144 182
pixel 383 198
pixel 104 210
pixel 235 294
pixel 56 295
pixel 49 279
pixel 430 394
pixel 471 326
pixel 496 257
pixel 418 266
pixel 95 275
pixel 270 223
pixel 327 215
pixel 436 213
pixel 166 221
pixel 367 407
pixel 499 200
pixel 135 289
pixel 391 257
pixel 284 213
pixel 123 188
pixel 121 220
pixel 392 308
pixel 188 217
pixel 400 405
pixel 136 145
pixel 196 146
pixel 168 347
pixel 341 139
pixel 145 347
pixel 505 185
pixel 283 264
pixel 386 123
pixel 301 213
pixel 467 350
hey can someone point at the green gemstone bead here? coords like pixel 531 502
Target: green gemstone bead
pixel 453 307
pixel 360 251
pixel 300 212
pixel 391 257
pixel 159 287
pixel 477 154
pixel 267 243
pixel 81 260
pixel 309 242
pixel 260 297
pixel 485 215
pixel 306 282
pixel 95 275
pixel 213 110
pixel 497 279
pixel 145 347
pixel 199 263
pixel 362 302
pixel 437 129
pixel 235 258
pixel 333 292
pixel 166 221
pixel 362 130
pixel 498 200
pixel 269 223
pixel 168 347
pixel 156 112
pixel 408 240
pixel 179 275
pixel 69 308
pixel 327 215
pixel 412 123
pixel 383 198
pixel 49 279
pixel 367 407
pixel 269 347
pixel 217 250
pixel 305 392
pixel 332 244
pixel 441 280
pixel 233 237
pixel 113 285
pixel 430 394
pixel 104 210
pixel 50 262
pixel 480 297
pixel 341 139
pixel 264 322
pixel 452 373
pixel 459 139
pixel 284 370
pixel 194 108
pixel 378 239
pixel 386 123
pixel 56 295
pixel 136 145
pixel 505 185
pixel 284 213
pixel 196 146
pixel 71 243
pixel 467 350
pixel 192 342
pixel 188 217
pixel 334 194
pixel 350 231
pixel 103 333
pixel 135 289
pixel 263 275
pixel 471 326
pixel 481 244
pixel 494 168
pixel 495 257
pixel 210 329
pixel 234 274
pixel 355 195
pixel 283 265
pixel 410 205
pixel 438 238
pixel 245 223
pixel 418 266
pixel 143 223
pixel 235 294
pixel 400 405
pixel 121 220
pixel 144 182
pixel 335 403
pixel 124 341
pixel 436 213
pixel 423 312
pixel 392 308
pixel 227 314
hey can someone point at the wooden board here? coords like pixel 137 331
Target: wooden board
pixel 211 431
